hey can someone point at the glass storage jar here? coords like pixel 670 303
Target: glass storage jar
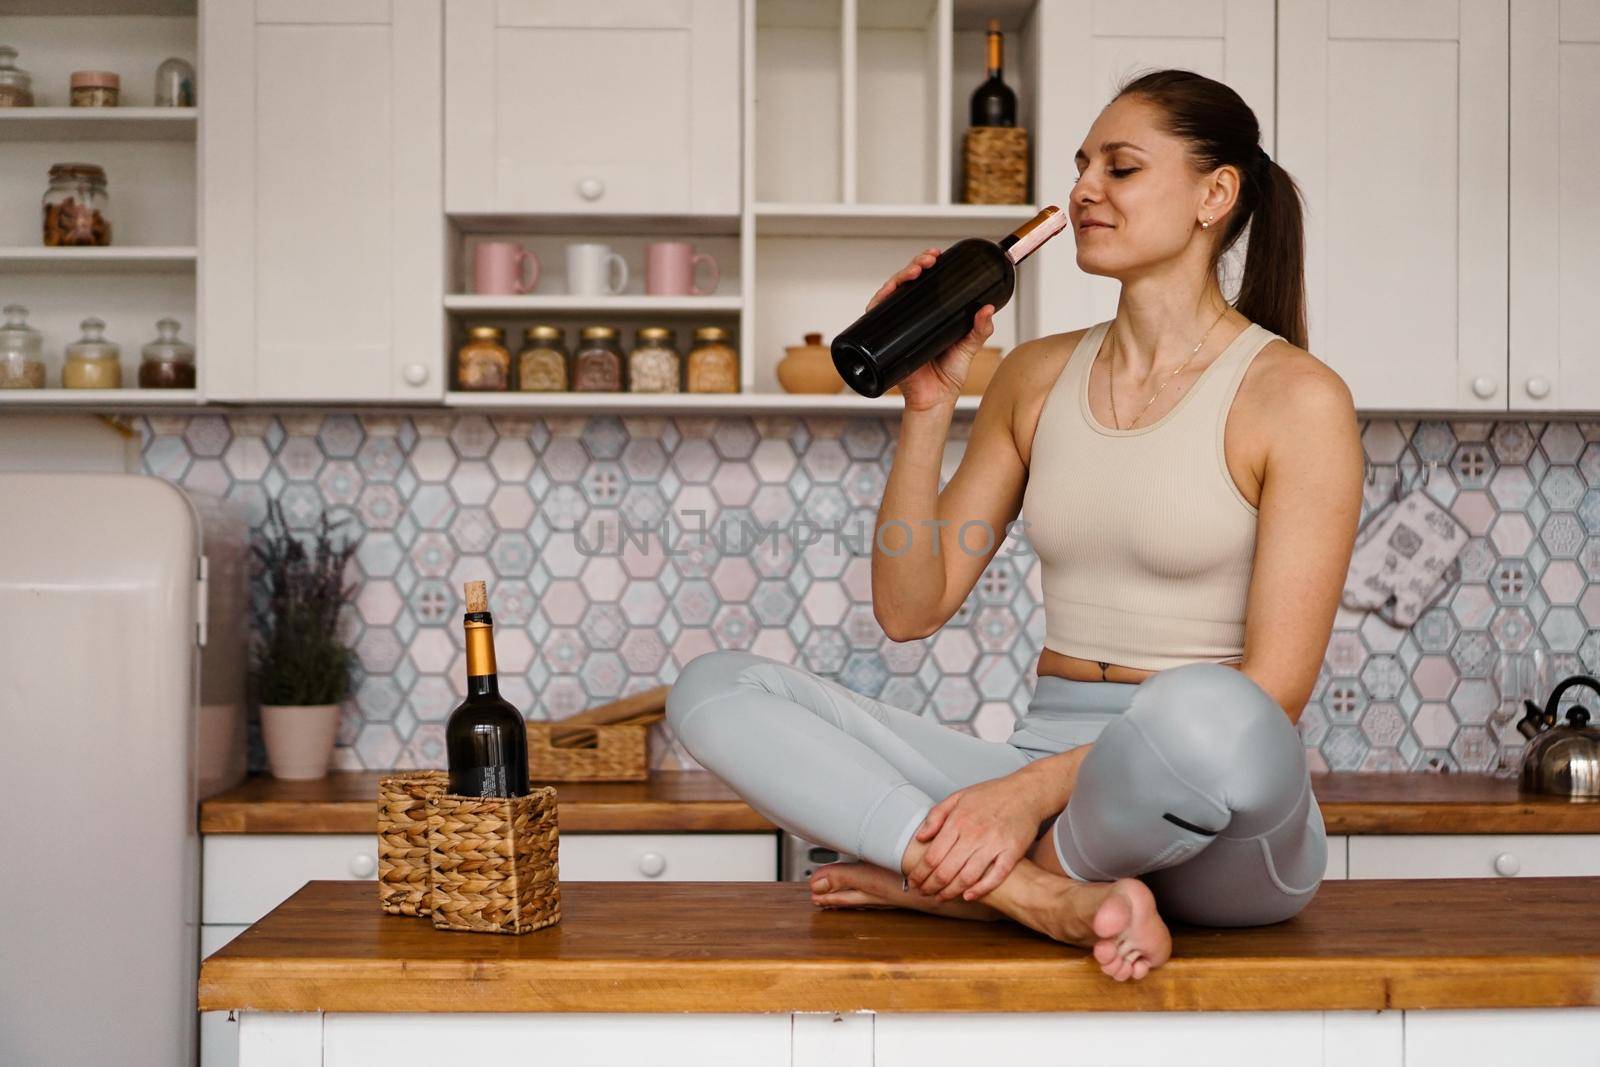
pixel 597 364
pixel 76 206
pixel 95 88
pixel 174 83
pixel 484 363
pixel 653 365
pixel 542 363
pixel 166 362
pixel 713 363
pixel 92 362
pixel 16 84
pixel 21 364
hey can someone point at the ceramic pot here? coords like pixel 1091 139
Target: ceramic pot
pixel 299 739
pixel 808 368
pixel 979 375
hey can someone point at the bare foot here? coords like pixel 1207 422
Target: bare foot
pixel 866 885
pixel 1117 920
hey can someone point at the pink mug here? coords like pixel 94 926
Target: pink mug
pixel 497 267
pixel 669 269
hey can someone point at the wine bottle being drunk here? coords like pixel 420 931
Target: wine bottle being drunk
pixel 923 317
pixel 993 102
pixel 486 739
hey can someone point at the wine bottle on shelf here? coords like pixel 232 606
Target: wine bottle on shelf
pixel 993 102
pixel 923 317
pixel 486 739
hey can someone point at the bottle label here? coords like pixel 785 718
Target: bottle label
pixel 480 782
pixel 1035 232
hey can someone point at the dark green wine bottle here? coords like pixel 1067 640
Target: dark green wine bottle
pixel 486 739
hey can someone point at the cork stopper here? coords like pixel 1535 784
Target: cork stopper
pixel 477 596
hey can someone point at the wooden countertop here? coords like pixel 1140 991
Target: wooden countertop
pixel 345 803
pixel 762 946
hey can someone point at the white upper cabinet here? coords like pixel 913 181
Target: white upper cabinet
pixel 1086 49
pixel 577 107
pixel 322 233
pixel 1392 118
pixel 1555 204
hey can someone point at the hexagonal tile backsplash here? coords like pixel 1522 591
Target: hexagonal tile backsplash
pixel 620 548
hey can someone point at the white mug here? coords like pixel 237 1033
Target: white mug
pixel 595 270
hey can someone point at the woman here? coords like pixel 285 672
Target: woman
pixel 1191 479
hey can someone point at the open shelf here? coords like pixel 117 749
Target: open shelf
pixel 100 399
pixel 88 260
pixel 97 124
pixel 844 403
pixel 596 225
pixel 596 305
pixel 890 220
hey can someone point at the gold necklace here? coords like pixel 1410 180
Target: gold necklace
pixel 1111 367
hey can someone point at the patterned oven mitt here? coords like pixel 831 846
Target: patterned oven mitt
pixel 1401 558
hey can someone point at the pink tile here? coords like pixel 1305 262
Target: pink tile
pixel 954 650
pixel 564 602
pixel 692 642
pixel 604 578
pixel 512 507
pixel 1511 533
pixel 825 603
pixel 1562 581
pixel 1434 677
pixel 734 579
pixel 1475 511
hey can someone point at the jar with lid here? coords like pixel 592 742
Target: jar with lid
pixel 92 361
pixel 597 364
pixel 21 365
pixel 713 363
pixel 653 365
pixel 484 363
pixel 95 88
pixel 167 363
pixel 174 83
pixel 542 363
pixel 16 84
pixel 76 205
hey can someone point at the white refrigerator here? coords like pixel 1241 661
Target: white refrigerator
pixel 104 752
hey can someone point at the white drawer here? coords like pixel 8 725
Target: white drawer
pixel 1474 855
pixel 247 875
pixel 219 1038
pixel 1338 859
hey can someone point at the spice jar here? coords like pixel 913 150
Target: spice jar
pixel 167 363
pixel 21 365
pixel 95 88
pixel 653 363
pixel 484 363
pixel 174 83
pixel 75 206
pixel 92 361
pixel 713 364
pixel 597 365
pixel 542 363
pixel 16 85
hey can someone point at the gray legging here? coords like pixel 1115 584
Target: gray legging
pixel 1197 782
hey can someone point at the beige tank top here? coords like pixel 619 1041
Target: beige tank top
pixel 1145 542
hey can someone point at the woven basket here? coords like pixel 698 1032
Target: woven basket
pixel 995 161
pixel 403 867
pixel 620 754
pixel 495 862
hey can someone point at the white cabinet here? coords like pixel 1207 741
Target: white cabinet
pixel 322 233
pixel 1474 856
pixel 1555 187
pixel 219 1036
pixel 567 106
pixel 1392 118
pixel 1338 859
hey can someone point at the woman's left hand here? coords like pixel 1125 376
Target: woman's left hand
pixel 977 835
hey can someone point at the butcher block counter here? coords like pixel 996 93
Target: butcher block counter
pixel 702 964
pixel 345 803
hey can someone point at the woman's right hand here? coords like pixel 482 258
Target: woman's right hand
pixel 939 380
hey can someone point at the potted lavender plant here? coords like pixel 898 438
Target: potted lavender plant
pixel 302 668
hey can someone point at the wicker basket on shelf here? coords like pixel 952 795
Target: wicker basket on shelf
pixel 404 885
pixel 495 862
pixel 995 165
pixel 617 753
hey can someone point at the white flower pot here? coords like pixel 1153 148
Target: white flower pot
pixel 299 739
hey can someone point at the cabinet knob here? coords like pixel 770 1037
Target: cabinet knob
pixel 363 865
pixel 1507 864
pixel 591 188
pixel 1483 388
pixel 1538 388
pixel 652 864
pixel 415 374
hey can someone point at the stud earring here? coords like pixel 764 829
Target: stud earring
pixel 1206 225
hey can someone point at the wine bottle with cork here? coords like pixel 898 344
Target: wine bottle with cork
pixel 486 739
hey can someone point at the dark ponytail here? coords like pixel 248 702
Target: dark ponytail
pixel 1221 130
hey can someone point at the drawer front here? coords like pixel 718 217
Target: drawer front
pixel 669 857
pixel 1338 858
pixel 1474 856
pixel 247 875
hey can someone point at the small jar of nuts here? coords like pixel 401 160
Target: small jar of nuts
pixel 95 88
pixel 76 206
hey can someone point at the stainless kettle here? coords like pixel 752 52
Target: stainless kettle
pixel 1561 759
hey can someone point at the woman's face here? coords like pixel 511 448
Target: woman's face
pixel 1137 201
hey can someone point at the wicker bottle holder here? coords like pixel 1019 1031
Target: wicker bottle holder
pixel 489 864
pixel 995 165
pixel 620 754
